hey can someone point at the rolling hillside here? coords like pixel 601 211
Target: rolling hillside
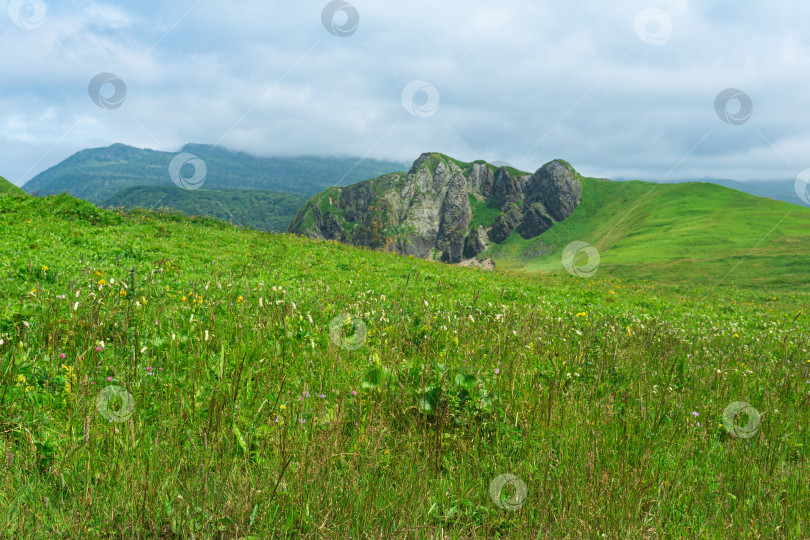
pixel 96 174
pixel 8 187
pixel 691 232
pixel 190 378
pixel 684 233
pixel 261 210
pixel 779 190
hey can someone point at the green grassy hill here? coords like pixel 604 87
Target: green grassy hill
pixel 689 233
pixel 96 174
pixel 262 210
pixel 165 377
pixel 8 187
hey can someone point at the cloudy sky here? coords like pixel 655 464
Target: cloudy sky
pixel 620 89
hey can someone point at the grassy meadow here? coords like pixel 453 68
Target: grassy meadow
pixel 167 377
pixel 696 233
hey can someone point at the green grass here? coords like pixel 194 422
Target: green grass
pixel 484 213
pixel 585 389
pixel 262 210
pixel 687 233
pixel 8 187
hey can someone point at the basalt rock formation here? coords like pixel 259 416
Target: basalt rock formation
pixel 443 209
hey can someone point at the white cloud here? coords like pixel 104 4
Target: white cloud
pixel 519 81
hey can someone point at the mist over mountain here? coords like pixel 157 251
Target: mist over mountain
pixel 95 174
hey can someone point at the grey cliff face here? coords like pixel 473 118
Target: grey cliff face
pixel 557 188
pixel 427 212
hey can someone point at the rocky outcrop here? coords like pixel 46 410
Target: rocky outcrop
pixel 535 221
pixel 475 243
pixel 555 185
pixel 506 223
pixel 428 212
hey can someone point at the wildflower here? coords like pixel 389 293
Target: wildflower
pixel 282 407
pixel 21 379
pixel 354 392
pixel 62 356
pixel 99 348
pixel 583 314
pixel 44 268
pixel 322 396
pixel 497 370
pixel 109 379
pixel 695 413
pixel 240 299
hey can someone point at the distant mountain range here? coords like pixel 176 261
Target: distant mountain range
pixel 96 174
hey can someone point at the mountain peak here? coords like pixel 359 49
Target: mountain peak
pixel 451 209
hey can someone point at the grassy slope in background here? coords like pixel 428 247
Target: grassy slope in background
pixel 693 232
pixel 262 210
pixel 8 187
pixel 604 396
